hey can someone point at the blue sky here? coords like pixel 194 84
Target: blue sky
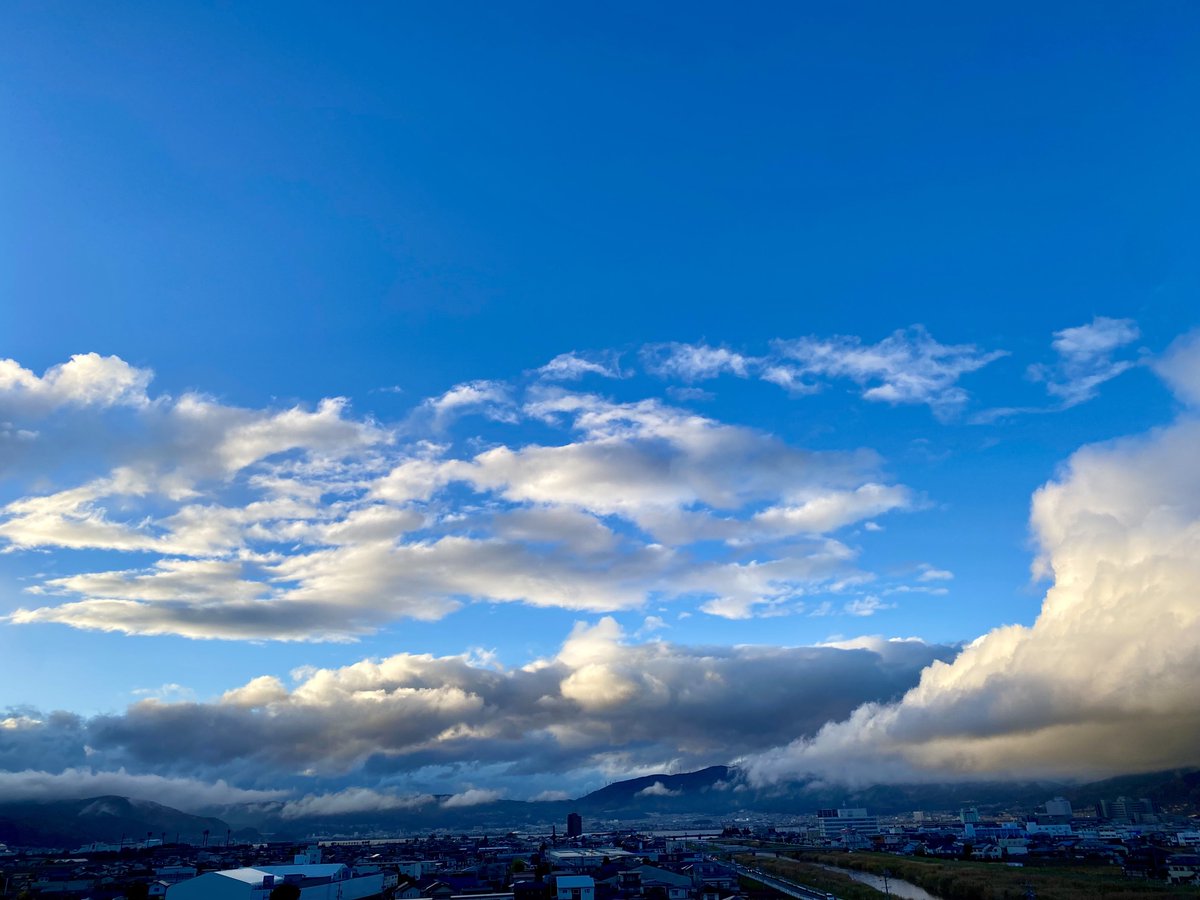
pixel 832 293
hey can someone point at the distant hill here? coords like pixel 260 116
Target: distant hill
pixel 722 790
pixel 72 823
pixel 1173 791
pixel 706 788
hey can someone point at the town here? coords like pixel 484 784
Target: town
pixel 667 858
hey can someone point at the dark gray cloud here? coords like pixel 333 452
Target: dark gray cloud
pixel 601 708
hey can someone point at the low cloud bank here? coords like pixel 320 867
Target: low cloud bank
pixel 183 793
pixel 604 707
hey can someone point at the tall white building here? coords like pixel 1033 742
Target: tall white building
pixel 834 823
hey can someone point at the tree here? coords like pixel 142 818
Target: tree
pixel 286 891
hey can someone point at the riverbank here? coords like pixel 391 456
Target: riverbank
pixel 813 876
pixel 886 884
pixel 967 880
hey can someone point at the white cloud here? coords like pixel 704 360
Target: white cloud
pixel 491 398
pixel 186 793
pixel 1180 367
pixel 866 606
pixel 573 366
pixel 832 510
pixel 87 379
pixel 658 789
pixel 693 362
pixel 1085 359
pixel 352 800
pixel 652 624
pixel 472 797
pixel 550 796
pixel 324 431
pixel 258 692
pixel 790 378
pixel 1103 682
pixel 310 524
pixel 908 366
pixel 168 691
pixel 930 573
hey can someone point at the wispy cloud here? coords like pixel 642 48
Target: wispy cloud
pixel 573 366
pixel 694 362
pixel 492 399
pixel 1086 359
pixel 907 367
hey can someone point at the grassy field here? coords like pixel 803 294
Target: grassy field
pixel 959 880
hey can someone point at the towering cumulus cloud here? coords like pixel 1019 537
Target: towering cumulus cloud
pixel 1105 680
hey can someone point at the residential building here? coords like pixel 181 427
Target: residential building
pixel 575 887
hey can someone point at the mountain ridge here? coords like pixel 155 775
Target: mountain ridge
pixel 714 791
pixel 108 818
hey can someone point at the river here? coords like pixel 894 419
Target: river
pixel 898 886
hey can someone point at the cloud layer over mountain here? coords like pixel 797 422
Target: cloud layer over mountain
pixel 603 707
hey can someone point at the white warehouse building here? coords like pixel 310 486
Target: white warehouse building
pixel 329 881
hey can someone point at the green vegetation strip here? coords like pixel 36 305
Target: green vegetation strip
pixel 962 880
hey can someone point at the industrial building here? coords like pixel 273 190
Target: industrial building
pixel 328 881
